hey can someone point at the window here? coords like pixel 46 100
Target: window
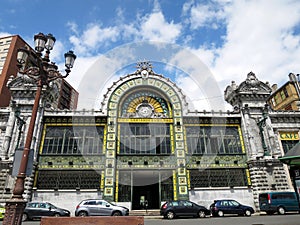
pixel 90 203
pixel 218 178
pixel 213 140
pixel 68 179
pixel 288 144
pixel 145 138
pixel 85 140
pixel 276 99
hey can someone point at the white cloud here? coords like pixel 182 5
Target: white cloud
pixel 260 37
pixel 93 37
pixel 205 15
pixel 155 28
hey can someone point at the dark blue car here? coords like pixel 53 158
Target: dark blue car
pixel 229 206
pixel 183 208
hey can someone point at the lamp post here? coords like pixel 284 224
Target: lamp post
pixel 37 67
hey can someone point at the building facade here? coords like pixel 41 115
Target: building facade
pixel 287 96
pixel 8 64
pixel 144 143
pixel 67 97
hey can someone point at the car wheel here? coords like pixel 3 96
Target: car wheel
pixel 281 210
pixel 117 213
pixel 201 214
pixel 82 214
pixel 24 217
pixel 248 212
pixel 170 215
pixel 56 215
pixel 220 213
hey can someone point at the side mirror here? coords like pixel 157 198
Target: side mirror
pixel 50 208
pixel 107 205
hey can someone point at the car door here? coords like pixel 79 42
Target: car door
pixel 102 209
pixel 235 207
pixel 183 208
pixel 43 210
pixel 224 206
pixel 190 208
pixel 92 208
pixel 178 207
pixel 32 209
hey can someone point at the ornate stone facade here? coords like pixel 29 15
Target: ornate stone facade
pixel 145 141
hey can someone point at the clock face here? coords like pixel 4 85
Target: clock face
pixel 144 110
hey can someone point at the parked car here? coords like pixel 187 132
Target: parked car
pixel 172 209
pixel 229 206
pixel 280 202
pixel 99 207
pixel 36 210
pixel 2 212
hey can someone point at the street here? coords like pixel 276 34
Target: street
pixel 290 219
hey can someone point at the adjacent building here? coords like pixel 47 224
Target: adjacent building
pixel 67 97
pixel 287 96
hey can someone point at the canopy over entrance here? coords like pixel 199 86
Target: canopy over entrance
pixel 292 157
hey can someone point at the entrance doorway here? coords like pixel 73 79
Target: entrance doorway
pixel 145 190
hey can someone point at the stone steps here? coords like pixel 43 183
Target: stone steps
pixel 150 212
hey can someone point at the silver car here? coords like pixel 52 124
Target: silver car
pixel 99 207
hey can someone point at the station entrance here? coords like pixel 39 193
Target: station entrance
pixel 145 189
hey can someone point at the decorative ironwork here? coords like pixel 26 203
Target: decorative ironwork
pixel 218 178
pixel 68 179
pixel 145 104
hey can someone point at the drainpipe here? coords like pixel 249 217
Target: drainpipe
pixel 295 81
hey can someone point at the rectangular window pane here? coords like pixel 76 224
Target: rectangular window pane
pixel 86 140
pixel 149 139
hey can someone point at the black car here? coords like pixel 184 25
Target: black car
pixel 36 210
pixel 179 208
pixel 229 206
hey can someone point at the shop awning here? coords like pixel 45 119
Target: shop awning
pixel 292 157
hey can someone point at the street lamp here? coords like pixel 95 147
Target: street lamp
pixel 37 67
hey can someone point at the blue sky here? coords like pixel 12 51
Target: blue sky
pixel 231 38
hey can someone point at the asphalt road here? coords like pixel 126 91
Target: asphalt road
pixel 290 219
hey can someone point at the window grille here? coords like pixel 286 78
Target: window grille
pixel 68 179
pixel 218 178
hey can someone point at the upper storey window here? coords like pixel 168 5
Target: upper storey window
pixel 69 140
